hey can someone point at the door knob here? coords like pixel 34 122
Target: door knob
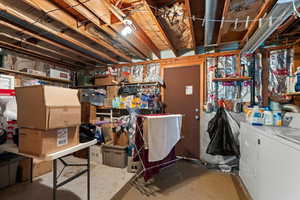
pixel 197 110
pixel 197 117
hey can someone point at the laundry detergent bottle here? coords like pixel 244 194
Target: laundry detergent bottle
pixel 257 117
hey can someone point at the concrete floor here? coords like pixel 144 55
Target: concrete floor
pixel 188 181
pixel 105 183
pixel 185 180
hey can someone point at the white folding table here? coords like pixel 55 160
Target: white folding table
pixel 59 156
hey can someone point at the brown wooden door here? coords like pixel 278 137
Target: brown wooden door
pixel 182 96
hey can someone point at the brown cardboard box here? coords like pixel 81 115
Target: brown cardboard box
pixel 47 107
pixel 102 81
pixel 88 113
pixel 121 139
pixel 112 91
pixel 40 167
pixel 41 142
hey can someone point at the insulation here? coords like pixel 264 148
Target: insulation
pixel 176 22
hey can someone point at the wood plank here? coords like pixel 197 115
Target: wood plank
pixel 189 14
pixel 34 54
pixel 61 35
pixel 16 28
pixel 34 76
pixel 66 58
pixel 231 79
pixel 267 4
pixel 70 22
pixel 225 11
pixel 91 16
pixel 165 35
pixel 138 33
pixel 97 7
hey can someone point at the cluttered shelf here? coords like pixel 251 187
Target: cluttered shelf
pixel 231 79
pixel 293 94
pixel 120 84
pixel 34 75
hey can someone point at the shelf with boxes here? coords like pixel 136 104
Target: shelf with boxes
pixel 42 77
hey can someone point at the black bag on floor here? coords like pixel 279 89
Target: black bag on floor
pixel 222 139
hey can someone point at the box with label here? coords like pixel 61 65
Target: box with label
pixel 33 71
pixel 47 107
pixel 102 81
pixel 7 82
pixel 54 73
pixel 41 143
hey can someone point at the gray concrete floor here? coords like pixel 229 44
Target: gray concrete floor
pixel 186 181
pixel 105 183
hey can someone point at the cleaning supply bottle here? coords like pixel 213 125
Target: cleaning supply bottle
pixel 277 116
pixel 268 117
pixel 257 117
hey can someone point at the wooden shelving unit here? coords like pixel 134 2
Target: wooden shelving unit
pixel 293 94
pixel 231 79
pixel 134 83
pixel 34 75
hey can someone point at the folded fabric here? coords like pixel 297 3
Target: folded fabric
pixel 162 134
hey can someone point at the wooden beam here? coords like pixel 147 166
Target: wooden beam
pixel 35 54
pixel 55 44
pixel 225 11
pixel 165 35
pixel 95 20
pixel 139 33
pixel 69 21
pixel 100 9
pixel 267 4
pixel 59 55
pixel 189 15
pixel 61 35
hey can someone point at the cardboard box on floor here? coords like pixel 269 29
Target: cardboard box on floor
pixel 40 167
pixel 41 142
pixel 47 107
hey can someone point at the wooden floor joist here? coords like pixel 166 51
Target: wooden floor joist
pixel 55 44
pixel 31 53
pixel 66 58
pixel 61 35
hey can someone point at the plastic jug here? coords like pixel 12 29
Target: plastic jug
pixel 257 117
pixel 268 117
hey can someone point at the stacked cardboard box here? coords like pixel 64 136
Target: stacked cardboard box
pixel 111 93
pixel 48 118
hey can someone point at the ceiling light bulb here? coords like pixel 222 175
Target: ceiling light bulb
pixel 126 31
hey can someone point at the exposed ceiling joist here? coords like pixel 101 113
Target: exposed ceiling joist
pixel 267 4
pixel 189 15
pixel 35 54
pixel 165 35
pixel 72 23
pixel 225 10
pixel 140 34
pixel 82 9
pixel 66 58
pixel 69 50
pixel 100 9
pixel 56 33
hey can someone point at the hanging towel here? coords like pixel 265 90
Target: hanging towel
pixel 163 132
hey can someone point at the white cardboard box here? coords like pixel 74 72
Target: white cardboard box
pixel 7 82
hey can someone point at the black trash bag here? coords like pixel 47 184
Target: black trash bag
pixel 87 132
pixel 222 140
